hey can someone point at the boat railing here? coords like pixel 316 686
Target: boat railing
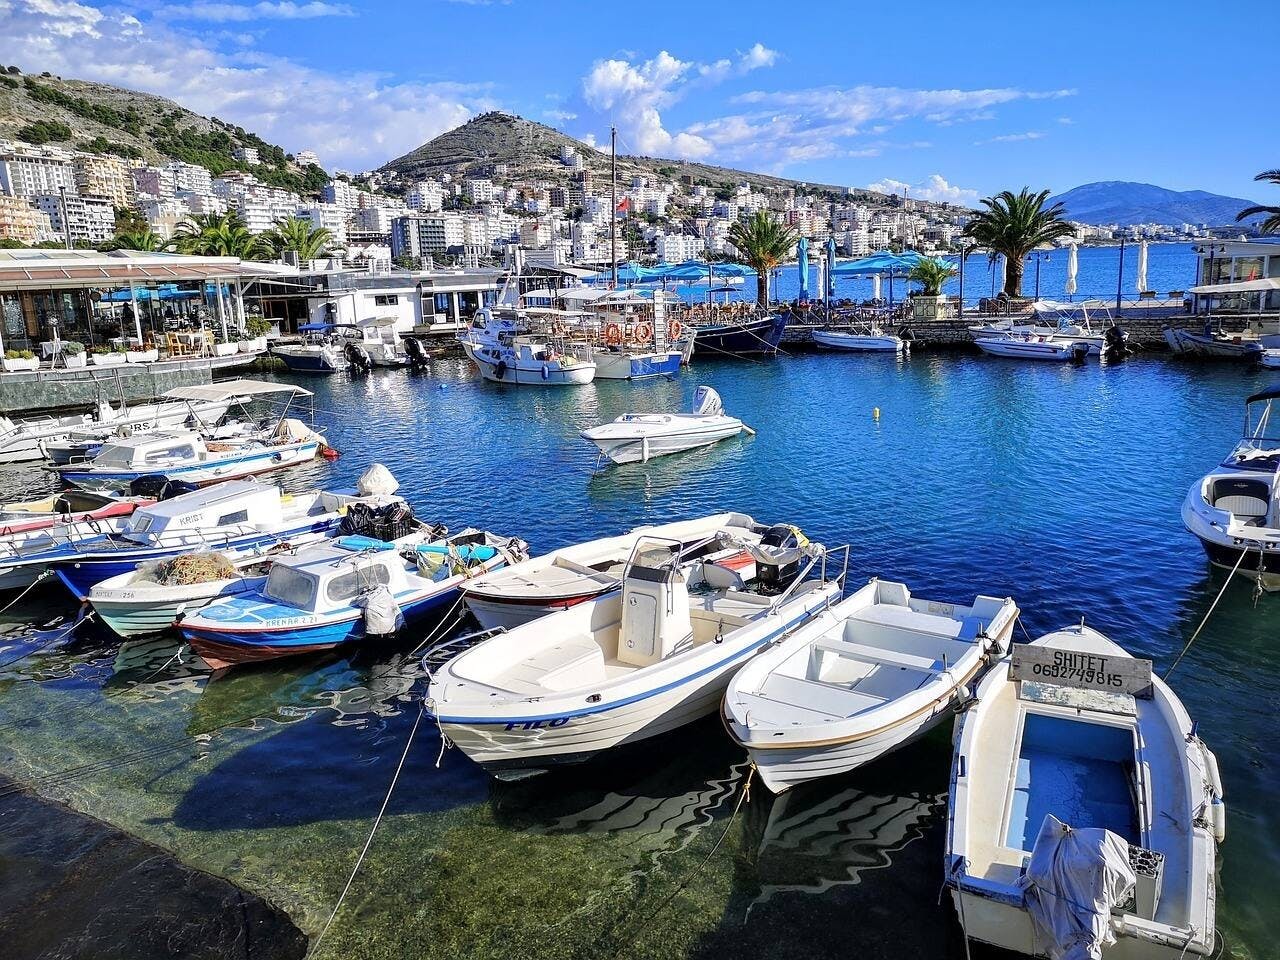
pixel 818 560
pixel 445 651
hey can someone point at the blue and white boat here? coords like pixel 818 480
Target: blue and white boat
pixel 235 518
pixel 333 593
pixel 628 665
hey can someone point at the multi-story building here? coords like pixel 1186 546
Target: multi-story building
pixel 29 172
pixel 103 176
pixel 151 182
pixel 306 158
pixel 420 235
pixel 20 221
pixel 190 176
pixel 90 220
pixel 479 191
pixel 375 221
pixel 427 196
pixel 558 198
pixel 678 247
pixel 328 216
pixel 202 203
pixel 344 194
pixel 247 155
pixel 536 234
pixel 163 214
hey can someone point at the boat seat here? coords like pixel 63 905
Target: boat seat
pixel 894 615
pixel 736 605
pixel 1249 510
pixel 572 662
pixel 878 655
pixel 832 699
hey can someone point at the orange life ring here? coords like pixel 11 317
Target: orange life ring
pixel 613 334
pixel 674 329
pixel 644 331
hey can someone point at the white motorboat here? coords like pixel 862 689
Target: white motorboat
pixel 1085 810
pixel 1234 510
pixel 318 351
pixel 874 672
pixel 373 342
pixel 505 356
pixel 150 598
pixel 1088 322
pixel 564 578
pixel 1032 347
pixel 36 526
pixel 1211 341
pixel 626 666
pixel 868 339
pixel 638 437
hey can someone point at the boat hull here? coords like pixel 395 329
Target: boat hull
pixel 858 343
pixel 636 366
pixel 496 612
pixel 741 339
pixel 642 449
pixel 201 473
pixel 1187 343
pixel 133 612
pixel 299 360
pixel 1025 349
pixel 542 374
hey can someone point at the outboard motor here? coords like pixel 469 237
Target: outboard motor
pixel 706 402
pixel 358 357
pixel 416 352
pixel 783 542
pixel 1079 352
pixel 1115 343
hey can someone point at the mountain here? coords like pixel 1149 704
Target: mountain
pixel 531 150
pixel 1124 203
pixel 100 118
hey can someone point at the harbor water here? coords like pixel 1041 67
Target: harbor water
pixel 1057 485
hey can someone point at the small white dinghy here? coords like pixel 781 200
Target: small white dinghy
pixel 877 670
pixel 1085 810
pixel 637 437
pixel 1033 347
pixel 867 339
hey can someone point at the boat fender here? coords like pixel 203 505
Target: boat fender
pixel 500 370
pixel 545 372
pixel 1218 818
pixel 381 614
pixel 1211 768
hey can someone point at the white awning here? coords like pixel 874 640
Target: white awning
pixel 231 389
pixel 1240 286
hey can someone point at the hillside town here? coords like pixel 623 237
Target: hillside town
pixel 53 195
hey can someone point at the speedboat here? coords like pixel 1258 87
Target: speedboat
pixel 1085 811
pixel 23 440
pixel 343 590
pixel 740 338
pixel 1063 321
pixel 869 338
pixel 1213 341
pixel 235 518
pixel 151 597
pixel 505 356
pixel 572 575
pixel 371 343
pixel 1032 346
pixel 317 352
pixel 637 437
pixel 629 665
pixel 1234 510
pixel 193 459
pixel 873 673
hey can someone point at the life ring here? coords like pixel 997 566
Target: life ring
pixel 613 334
pixel 644 331
pixel 674 329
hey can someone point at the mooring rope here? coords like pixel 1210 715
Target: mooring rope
pixel 58 636
pixel 1243 553
pixel 315 948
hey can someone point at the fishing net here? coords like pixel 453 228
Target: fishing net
pixel 194 568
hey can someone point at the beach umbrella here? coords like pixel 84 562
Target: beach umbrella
pixel 802 266
pixel 831 266
pixel 875 286
pixel 1142 266
pixel 1000 274
pixel 1073 269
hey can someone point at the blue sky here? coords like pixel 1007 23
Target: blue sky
pixel 952 100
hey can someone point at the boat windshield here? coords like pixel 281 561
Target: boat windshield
pixel 114 455
pixel 1259 430
pixel 291 586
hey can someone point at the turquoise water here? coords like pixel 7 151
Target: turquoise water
pixel 1057 485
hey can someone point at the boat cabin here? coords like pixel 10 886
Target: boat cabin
pixel 150 452
pixel 234 506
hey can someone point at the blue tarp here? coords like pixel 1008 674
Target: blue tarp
pixel 831 261
pixel 802 267
pixel 314 327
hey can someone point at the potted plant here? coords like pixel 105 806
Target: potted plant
pixel 225 346
pixel 930 303
pixel 255 335
pixel 146 355
pixel 106 357
pixel 15 360
pixel 73 355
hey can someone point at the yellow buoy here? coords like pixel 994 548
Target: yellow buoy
pixel 875 413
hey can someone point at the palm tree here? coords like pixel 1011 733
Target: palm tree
pixel 1014 224
pixel 1272 223
pixel 762 243
pixel 931 274
pixel 145 240
pixel 219 235
pixel 299 235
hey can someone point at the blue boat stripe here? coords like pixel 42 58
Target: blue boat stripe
pixel 635 698
pixel 171 471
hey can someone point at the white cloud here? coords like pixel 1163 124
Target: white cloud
pixel 559 116
pixel 934 188
pixel 356 120
pixel 237 13
pixel 632 94
pixel 1012 138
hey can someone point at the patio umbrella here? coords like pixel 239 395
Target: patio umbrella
pixel 802 267
pixel 1142 266
pixel 831 266
pixel 1000 274
pixel 1073 269
pixel 875 286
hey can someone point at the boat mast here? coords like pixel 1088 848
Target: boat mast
pixel 613 206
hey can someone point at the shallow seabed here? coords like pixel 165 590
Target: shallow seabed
pixel 1059 486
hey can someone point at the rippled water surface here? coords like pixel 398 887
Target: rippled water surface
pixel 1059 486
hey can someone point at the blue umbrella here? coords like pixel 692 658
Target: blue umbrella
pixel 802 267
pixel 689 270
pixel 831 264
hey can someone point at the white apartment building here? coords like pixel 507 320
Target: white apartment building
pixel 306 158
pixel 163 214
pixel 104 176
pixel 29 172
pixel 421 235
pixel 264 210
pixel 247 155
pixel 427 196
pixel 328 216
pixel 190 177
pixel 342 193
pixel 480 191
pixel 92 220
pixel 678 247
pixel 20 221
pixel 372 220
pixel 202 203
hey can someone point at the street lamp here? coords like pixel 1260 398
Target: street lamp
pixel 1039 259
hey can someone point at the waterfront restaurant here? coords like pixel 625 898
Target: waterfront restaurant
pixel 1238 261
pixel 122 299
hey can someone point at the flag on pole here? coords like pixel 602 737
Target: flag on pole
pixel 625 205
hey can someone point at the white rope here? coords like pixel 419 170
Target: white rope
pixel 376 823
pixel 1243 553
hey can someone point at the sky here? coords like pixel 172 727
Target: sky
pixel 950 101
